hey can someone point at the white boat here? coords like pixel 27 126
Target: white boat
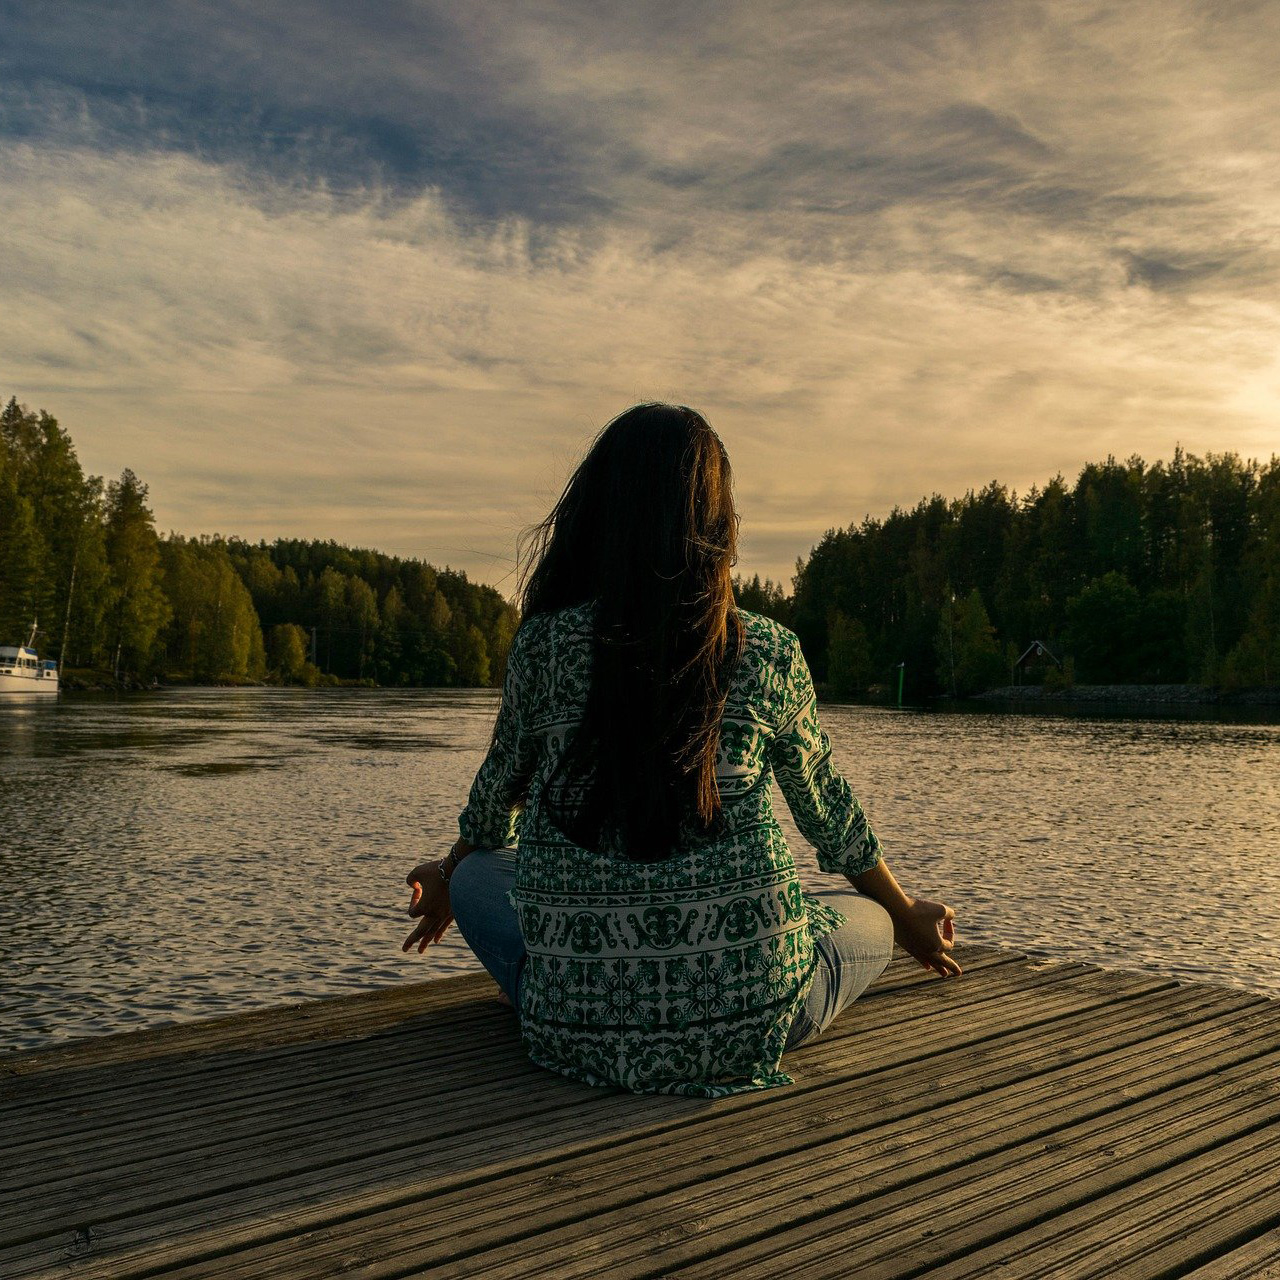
pixel 22 671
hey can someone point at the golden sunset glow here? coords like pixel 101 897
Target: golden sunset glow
pixel 379 275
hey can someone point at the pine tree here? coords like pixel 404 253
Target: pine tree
pixel 22 578
pixel 137 608
pixel 965 646
pixel 849 656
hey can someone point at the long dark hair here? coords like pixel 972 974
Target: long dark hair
pixel 646 528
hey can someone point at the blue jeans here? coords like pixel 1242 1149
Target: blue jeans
pixel 848 960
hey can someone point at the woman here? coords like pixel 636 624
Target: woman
pixel 620 872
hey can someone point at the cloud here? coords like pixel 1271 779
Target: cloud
pixel 1168 271
pixel 394 96
pixel 379 274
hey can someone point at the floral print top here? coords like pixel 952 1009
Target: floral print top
pixel 680 976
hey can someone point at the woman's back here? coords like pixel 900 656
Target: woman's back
pixel 681 975
pixel 649 923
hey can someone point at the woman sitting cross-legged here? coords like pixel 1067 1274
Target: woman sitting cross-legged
pixel 620 871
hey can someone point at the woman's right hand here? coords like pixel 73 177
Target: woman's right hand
pixel 924 929
pixel 430 902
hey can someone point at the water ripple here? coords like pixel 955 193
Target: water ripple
pixel 176 855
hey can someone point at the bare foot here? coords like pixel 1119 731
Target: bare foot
pixel 504 999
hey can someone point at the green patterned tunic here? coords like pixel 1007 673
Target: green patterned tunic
pixel 681 976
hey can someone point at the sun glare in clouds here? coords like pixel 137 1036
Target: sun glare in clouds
pixel 380 275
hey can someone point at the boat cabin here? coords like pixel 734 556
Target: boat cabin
pixel 18 659
pixel 21 668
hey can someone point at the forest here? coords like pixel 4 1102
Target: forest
pixel 1164 573
pixel 116 599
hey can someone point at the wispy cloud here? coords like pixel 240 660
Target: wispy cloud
pixel 379 273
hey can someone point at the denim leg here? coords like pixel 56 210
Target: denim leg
pixel 487 921
pixel 848 962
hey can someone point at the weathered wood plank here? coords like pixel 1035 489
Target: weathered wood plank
pixel 142 1064
pixel 454 1073
pixel 627 1175
pixel 175 1184
pixel 1256 1259
pixel 451 1034
pixel 170 1113
pixel 1195 1205
pixel 305 1131
pixel 282 1209
pixel 298 1022
pixel 958 1201
pixel 946 1218
pixel 363 1013
pixel 906 1092
pixel 1020 1115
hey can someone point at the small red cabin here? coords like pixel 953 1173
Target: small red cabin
pixel 1034 662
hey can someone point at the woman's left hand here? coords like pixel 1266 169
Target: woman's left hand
pixel 926 930
pixel 431 902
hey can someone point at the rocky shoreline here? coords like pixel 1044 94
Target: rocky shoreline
pixel 1150 695
pixel 97 682
pixel 103 682
pixel 1136 694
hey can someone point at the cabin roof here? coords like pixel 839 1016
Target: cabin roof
pixel 1038 649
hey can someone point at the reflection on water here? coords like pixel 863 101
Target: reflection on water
pixel 174 855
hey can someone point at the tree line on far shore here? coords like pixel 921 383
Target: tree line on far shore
pixel 1166 573
pixel 114 597
pixel 1134 573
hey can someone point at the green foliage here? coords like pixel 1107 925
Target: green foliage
pixel 1255 659
pixel 214 632
pixel 401 622
pixel 1102 627
pixel 1165 572
pixel 23 584
pixel 765 597
pixel 968 655
pixel 1061 677
pixel 1197 541
pixel 137 608
pixel 849 657
pixel 287 658
pixel 1159 646
pixel 470 653
pixel 52 530
pixel 109 593
pixel 82 615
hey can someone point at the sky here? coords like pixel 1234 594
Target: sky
pixel 379 273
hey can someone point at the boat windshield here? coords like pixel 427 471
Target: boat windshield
pixel 21 659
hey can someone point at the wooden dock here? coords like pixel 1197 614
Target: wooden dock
pixel 1031 1118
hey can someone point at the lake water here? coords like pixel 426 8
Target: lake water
pixel 175 855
